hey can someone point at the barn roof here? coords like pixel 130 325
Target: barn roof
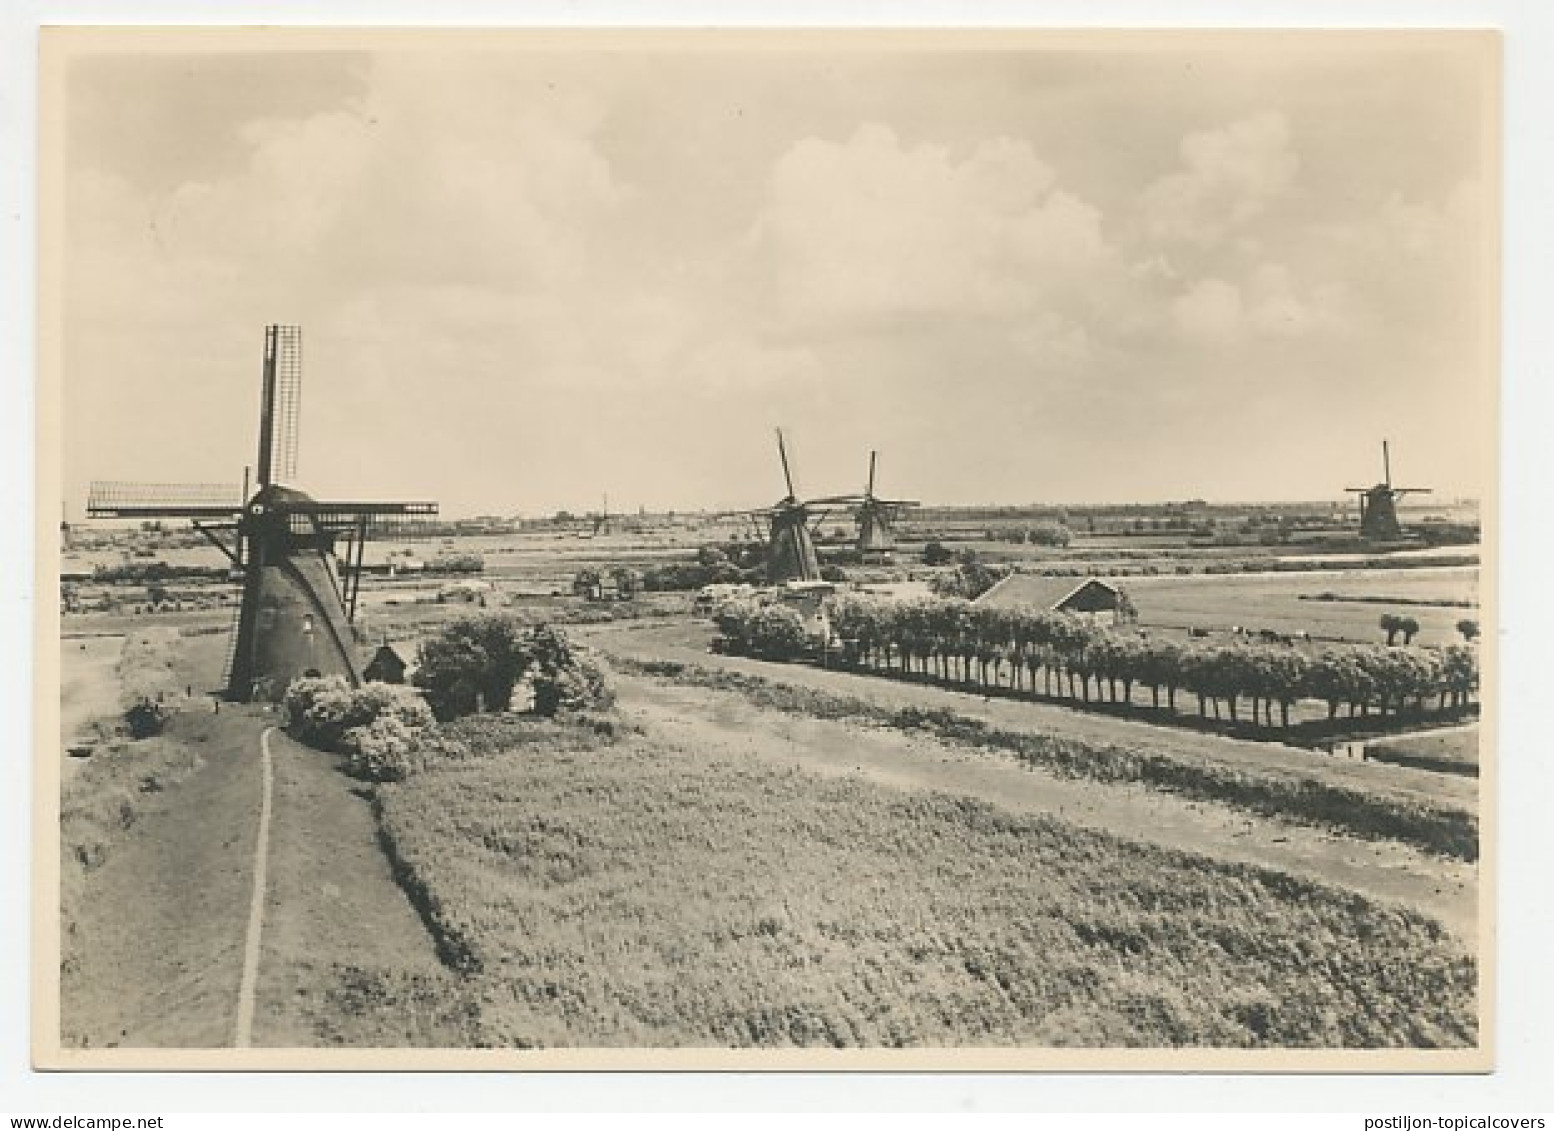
pixel 1024 590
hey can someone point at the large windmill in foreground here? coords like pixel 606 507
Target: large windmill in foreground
pixel 1378 504
pixel 298 609
pixel 876 521
pixel 791 543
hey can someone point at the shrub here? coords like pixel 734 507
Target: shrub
pixel 580 684
pixel 934 553
pixel 456 563
pixel 318 710
pixel 385 749
pixel 145 718
pixel 1049 534
pixel 776 632
pixel 377 726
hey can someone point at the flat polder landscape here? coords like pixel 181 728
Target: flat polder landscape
pixel 737 849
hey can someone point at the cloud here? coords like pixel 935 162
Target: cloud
pixel 1268 304
pixel 1232 175
pixel 1211 310
pixel 872 229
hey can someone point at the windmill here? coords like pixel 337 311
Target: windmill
pixel 790 539
pixel 298 607
pixel 602 520
pixel 1378 504
pixel 876 521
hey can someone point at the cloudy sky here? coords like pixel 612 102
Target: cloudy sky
pixel 1145 269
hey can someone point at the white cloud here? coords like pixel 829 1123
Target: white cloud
pixel 1231 175
pixel 1211 309
pixel 1269 303
pixel 872 229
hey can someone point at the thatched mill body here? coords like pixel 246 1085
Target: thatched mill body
pixel 298 608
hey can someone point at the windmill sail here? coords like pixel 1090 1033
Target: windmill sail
pixel 280 405
pixel 115 499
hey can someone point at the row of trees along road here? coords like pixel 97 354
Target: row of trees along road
pixel 1068 657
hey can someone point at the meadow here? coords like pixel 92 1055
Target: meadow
pixel 1343 605
pixel 602 887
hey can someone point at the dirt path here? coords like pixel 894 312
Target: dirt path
pixel 332 910
pixel 688 643
pixel 724 724
pixel 163 921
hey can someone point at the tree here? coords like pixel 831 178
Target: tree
pixel 472 664
pixel 935 554
pixel 566 677
pixel 1391 624
pixel 1409 627
pixel 1469 629
pixel 969 580
pixel 628 582
pixel 586 581
pixel 777 633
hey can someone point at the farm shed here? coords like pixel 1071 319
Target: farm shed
pixel 386 666
pixel 1093 598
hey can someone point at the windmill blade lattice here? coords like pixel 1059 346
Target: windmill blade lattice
pixel 281 404
pixel 119 499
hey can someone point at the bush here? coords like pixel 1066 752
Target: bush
pixel 146 718
pixel 581 684
pixel 776 632
pixel 377 726
pixel 1049 534
pixel 935 554
pixel 318 710
pixel 456 563
pixel 385 749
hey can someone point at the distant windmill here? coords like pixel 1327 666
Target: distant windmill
pixel 602 520
pixel 1378 504
pixel 876 520
pixel 791 544
pixel 297 611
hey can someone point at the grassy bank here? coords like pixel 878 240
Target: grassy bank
pixel 1440 828
pixel 605 890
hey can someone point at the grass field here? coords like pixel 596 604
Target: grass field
pixel 632 893
pixel 1287 602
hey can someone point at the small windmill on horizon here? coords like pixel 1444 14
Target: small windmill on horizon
pixel 877 520
pixel 1378 504
pixel 791 554
pixel 298 609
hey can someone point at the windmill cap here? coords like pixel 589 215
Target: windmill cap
pixel 278 496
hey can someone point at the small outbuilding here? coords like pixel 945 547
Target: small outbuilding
pixel 1092 598
pixel 386 666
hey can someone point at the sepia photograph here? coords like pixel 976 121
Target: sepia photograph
pixel 767 549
